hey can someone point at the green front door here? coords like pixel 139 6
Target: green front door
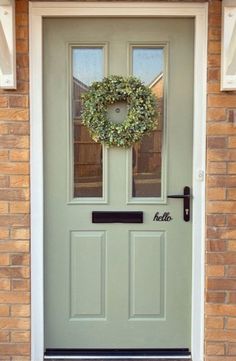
pixel 117 285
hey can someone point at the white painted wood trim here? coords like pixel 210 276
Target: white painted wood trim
pixel 36 171
pixel 228 82
pixel 199 169
pixel 38 10
pixel 8 45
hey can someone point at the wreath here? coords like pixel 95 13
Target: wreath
pixel 141 117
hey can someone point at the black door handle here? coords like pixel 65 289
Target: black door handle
pixel 186 204
pixel 179 196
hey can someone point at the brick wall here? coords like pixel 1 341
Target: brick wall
pixel 221 206
pixel 14 206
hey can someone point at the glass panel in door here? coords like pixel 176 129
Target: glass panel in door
pixel 148 65
pixel 88 66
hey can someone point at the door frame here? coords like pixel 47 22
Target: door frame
pixel 39 10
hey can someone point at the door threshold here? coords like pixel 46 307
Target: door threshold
pixel 66 357
pixel 129 354
pixel 166 358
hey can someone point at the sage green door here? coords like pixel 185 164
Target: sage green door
pixel 117 285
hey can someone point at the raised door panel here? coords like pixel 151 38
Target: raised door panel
pixel 88 274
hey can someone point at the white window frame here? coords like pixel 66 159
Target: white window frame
pixel 39 10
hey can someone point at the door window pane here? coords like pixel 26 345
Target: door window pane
pixel 148 65
pixel 88 66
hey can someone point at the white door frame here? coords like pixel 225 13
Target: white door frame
pixel 39 10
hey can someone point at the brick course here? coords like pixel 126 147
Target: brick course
pixel 220 307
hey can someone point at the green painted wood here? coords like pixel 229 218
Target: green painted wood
pixel 117 285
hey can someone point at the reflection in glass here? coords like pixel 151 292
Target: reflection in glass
pixel 148 65
pixel 88 66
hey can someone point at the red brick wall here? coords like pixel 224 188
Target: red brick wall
pixel 221 206
pixel 14 206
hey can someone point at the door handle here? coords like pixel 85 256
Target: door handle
pixel 186 202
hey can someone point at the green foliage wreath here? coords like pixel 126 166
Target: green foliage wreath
pixel 141 117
